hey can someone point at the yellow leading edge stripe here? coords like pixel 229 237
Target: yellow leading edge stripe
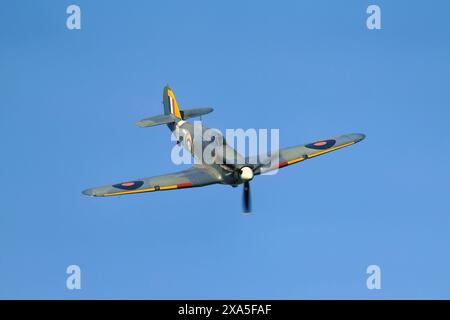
pixel 141 190
pixel 168 187
pixel 131 192
pixel 319 153
pixel 332 149
pixel 295 160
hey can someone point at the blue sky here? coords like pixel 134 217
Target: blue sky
pixel 69 101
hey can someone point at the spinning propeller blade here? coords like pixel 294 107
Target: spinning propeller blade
pixel 246 198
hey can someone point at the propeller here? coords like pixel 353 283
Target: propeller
pixel 246 174
pixel 246 201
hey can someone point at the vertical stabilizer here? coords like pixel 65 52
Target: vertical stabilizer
pixel 170 103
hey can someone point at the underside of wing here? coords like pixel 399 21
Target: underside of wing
pixel 197 176
pixel 297 154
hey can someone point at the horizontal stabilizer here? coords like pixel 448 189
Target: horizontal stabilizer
pixel 156 120
pixel 192 113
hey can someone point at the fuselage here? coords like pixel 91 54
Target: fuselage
pixel 209 147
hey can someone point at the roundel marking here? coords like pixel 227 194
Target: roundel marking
pixel 129 185
pixel 321 145
pixel 189 143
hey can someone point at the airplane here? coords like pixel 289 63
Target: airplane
pixel 223 171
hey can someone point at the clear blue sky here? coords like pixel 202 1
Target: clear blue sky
pixel 69 101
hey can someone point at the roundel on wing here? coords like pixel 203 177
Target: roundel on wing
pixel 321 145
pixel 129 185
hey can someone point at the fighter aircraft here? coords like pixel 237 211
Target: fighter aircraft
pixel 230 168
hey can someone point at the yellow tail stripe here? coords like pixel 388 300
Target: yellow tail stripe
pixel 176 110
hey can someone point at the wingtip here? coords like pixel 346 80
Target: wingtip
pixel 361 136
pixel 88 192
pixel 357 137
pixel 140 124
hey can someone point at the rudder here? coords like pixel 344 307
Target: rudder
pixel 170 103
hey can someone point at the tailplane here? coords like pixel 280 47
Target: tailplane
pixel 172 112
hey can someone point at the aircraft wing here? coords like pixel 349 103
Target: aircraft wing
pixel 297 154
pixel 197 176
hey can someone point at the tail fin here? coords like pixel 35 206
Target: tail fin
pixel 172 113
pixel 170 103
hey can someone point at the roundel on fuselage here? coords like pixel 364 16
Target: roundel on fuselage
pixel 321 145
pixel 189 142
